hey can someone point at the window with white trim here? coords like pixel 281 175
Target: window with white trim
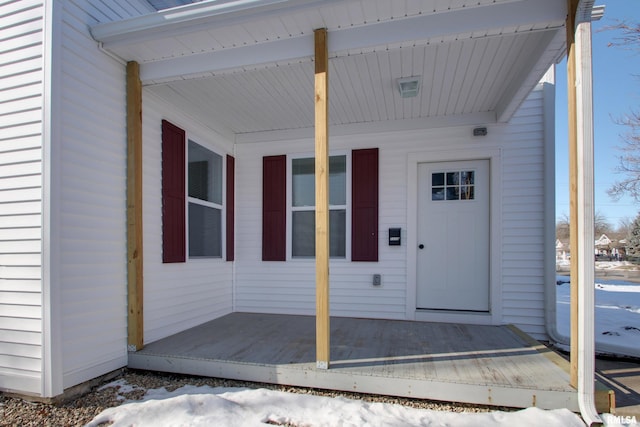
pixel 303 236
pixel 205 201
pixel 453 185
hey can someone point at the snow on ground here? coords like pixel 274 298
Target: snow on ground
pixel 617 314
pixel 617 323
pixel 207 406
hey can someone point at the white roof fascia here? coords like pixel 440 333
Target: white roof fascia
pixel 189 18
pixel 460 21
pixel 587 12
pixel 536 66
pixel 419 28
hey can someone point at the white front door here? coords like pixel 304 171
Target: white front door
pixel 453 236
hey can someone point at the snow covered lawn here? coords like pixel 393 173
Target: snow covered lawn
pixel 617 314
pixel 207 406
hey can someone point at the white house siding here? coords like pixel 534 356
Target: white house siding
pixel 177 296
pixel 523 216
pixel 91 204
pixel 289 287
pixel 21 101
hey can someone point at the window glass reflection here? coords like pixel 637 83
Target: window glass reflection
pixel 453 185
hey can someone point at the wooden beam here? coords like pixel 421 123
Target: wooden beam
pixel 134 208
pixel 572 7
pixel 322 197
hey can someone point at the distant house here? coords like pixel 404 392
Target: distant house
pixel 603 245
pixel 562 250
pixel 610 248
pixel 604 240
pixel 157 169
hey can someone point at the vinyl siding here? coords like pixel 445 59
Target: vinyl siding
pixel 177 296
pixel 523 216
pixel 91 150
pixel 289 287
pixel 21 102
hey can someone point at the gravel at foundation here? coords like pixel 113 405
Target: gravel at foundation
pixel 15 411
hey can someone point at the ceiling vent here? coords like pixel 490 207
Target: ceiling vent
pixel 409 86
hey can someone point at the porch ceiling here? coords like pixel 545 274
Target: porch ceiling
pixel 249 68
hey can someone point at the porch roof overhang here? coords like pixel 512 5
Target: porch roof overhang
pixel 249 64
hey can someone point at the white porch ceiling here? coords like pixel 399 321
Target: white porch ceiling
pixel 249 69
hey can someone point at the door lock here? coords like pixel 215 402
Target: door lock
pixel 421 246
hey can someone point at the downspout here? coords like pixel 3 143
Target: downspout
pixel 585 207
pixel 583 335
pixel 580 126
pixel 549 186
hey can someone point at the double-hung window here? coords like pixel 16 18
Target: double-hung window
pixel 192 199
pixel 205 170
pixel 303 230
pixel 288 206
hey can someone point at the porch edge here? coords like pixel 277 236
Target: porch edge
pixel 305 375
pixel 604 396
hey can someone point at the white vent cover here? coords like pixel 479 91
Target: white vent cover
pixel 409 86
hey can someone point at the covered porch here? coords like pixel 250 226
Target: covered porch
pixel 489 365
pixel 245 72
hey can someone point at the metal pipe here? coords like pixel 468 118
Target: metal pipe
pixel 585 207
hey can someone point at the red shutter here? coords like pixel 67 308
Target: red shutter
pixel 230 205
pixel 364 218
pixel 274 208
pixel 173 194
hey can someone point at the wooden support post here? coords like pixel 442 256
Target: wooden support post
pixel 573 185
pixel 322 198
pixel 134 207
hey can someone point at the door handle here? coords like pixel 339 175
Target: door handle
pixel 420 246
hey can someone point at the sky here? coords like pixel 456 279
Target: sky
pixel 617 322
pixel 616 92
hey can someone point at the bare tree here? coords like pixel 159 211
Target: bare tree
pixel 624 226
pixel 629 37
pixel 601 225
pixel 562 227
pixel 623 229
pixel 629 160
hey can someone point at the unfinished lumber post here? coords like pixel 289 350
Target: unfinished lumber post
pixel 573 185
pixel 322 197
pixel 135 329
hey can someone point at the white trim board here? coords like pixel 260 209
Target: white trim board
pixel 51 382
pixel 493 154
